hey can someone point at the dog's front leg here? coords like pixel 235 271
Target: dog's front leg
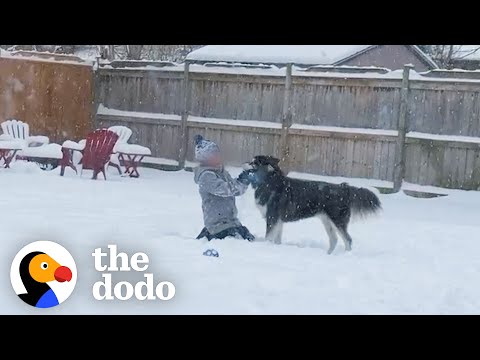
pixel 274 229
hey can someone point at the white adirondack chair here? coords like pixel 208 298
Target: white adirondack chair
pixel 124 134
pixel 14 130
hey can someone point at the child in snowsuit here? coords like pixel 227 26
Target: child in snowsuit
pixel 218 191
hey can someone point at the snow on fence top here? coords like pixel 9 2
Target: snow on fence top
pixel 44 57
pixel 274 71
pixel 277 54
pixel 105 111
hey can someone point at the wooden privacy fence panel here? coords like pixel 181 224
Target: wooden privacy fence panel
pixel 357 104
pixel 445 164
pixel 239 144
pixel 160 135
pixel 335 126
pixel 54 98
pixel 141 91
pixel 342 154
pixel 327 102
pixel 221 98
pixel 445 112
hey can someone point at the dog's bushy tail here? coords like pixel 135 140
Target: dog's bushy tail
pixel 363 202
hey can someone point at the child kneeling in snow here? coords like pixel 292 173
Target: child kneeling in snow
pixel 218 191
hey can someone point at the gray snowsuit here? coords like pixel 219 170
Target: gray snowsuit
pixel 218 191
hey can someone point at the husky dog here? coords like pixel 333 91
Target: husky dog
pixel 282 199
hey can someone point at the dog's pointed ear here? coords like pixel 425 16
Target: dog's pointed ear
pixel 273 161
pixel 247 167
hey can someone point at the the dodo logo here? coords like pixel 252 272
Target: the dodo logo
pixel 43 274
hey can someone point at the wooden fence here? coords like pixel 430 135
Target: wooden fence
pixel 54 98
pixel 423 130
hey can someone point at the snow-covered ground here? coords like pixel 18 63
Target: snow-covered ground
pixel 418 257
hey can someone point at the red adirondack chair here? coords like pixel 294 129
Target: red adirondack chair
pixel 96 154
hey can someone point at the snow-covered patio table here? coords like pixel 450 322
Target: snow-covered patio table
pixel 47 156
pixel 130 156
pixel 67 149
pixel 8 151
pixel 18 149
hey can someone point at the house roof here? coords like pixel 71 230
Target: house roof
pixel 282 54
pixel 276 54
pixel 424 56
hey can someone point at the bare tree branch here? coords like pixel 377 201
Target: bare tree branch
pixel 470 52
pixel 446 55
pixel 173 53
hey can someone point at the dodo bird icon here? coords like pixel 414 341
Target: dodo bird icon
pixel 36 270
pixel 44 275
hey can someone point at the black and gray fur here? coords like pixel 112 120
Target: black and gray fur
pixel 282 199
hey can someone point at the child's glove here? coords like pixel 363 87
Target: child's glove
pixel 244 178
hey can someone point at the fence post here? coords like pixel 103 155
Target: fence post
pixel 111 52
pixel 400 150
pixel 286 121
pixel 187 95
